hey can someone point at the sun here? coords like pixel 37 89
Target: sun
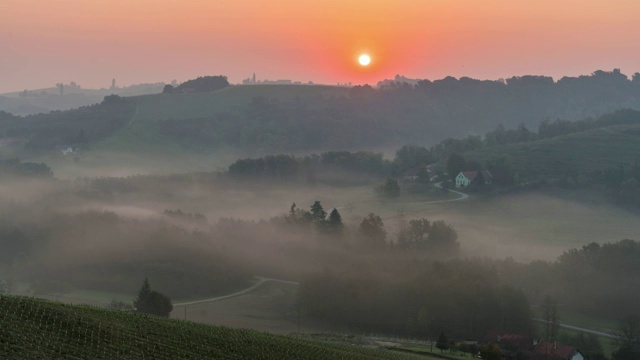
pixel 364 60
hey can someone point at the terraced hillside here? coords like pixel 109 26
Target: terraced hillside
pixel 569 155
pixel 39 329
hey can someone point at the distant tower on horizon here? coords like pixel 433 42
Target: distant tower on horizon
pixel 113 84
pixel 253 79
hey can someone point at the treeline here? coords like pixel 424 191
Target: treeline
pixel 187 256
pixel 72 128
pixel 414 159
pixel 546 129
pixel 399 113
pixel 417 298
pixel 16 168
pixel 611 271
pixel 622 182
pixel 288 167
pixel 366 118
pixel 200 84
pixel 466 298
pixel 419 236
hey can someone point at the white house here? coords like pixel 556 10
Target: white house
pixel 465 178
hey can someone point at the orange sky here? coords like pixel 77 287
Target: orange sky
pixel 88 41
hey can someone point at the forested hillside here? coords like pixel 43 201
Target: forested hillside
pixel 263 119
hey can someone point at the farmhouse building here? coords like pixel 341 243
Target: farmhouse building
pixel 554 351
pixel 514 346
pixel 466 178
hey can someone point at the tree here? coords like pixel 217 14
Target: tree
pixel 628 339
pixel 550 317
pixel 442 343
pixel 334 222
pixel 414 235
pixel 490 352
pixel 152 302
pixel 168 89
pixel 142 293
pixel 158 304
pixel 390 188
pixel 443 238
pixel 317 213
pixel 479 180
pixel 455 164
pixel 372 231
pixel 412 157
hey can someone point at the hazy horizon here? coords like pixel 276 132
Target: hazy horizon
pixel 141 42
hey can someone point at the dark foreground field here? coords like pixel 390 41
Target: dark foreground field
pixel 39 329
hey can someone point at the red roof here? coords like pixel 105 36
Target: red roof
pixel 555 351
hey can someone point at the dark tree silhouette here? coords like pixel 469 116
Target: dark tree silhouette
pixel 455 164
pixel 372 231
pixel 152 302
pixel 318 213
pixel 334 222
pixel 390 188
pixel 442 343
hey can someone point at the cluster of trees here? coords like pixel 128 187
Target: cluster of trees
pixel 200 84
pixel 461 297
pixel 401 113
pixel 152 302
pixel 330 224
pixel 597 280
pixel 15 167
pixel 436 237
pixel 466 298
pixel 365 117
pixel 418 235
pixel 624 183
pixel 417 157
pixel 310 168
pixel 197 218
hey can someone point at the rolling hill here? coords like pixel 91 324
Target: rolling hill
pixel 39 329
pixel 256 120
pixel 576 154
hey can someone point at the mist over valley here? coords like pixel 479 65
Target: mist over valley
pixel 454 207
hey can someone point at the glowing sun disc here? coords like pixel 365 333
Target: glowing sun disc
pixel 364 59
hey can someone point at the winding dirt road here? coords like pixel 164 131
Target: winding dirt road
pixel 261 280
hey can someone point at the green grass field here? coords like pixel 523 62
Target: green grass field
pixel 38 329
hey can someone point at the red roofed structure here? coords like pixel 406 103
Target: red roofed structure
pixel 514 346
pixel 554 351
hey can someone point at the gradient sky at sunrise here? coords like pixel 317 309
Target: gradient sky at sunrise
pixel 43 42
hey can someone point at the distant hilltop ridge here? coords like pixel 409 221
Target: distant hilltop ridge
pixel 68 96
pixel 615 74
pixel 252 81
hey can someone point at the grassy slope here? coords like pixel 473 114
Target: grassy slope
pixel 581 152
pixel 38 329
